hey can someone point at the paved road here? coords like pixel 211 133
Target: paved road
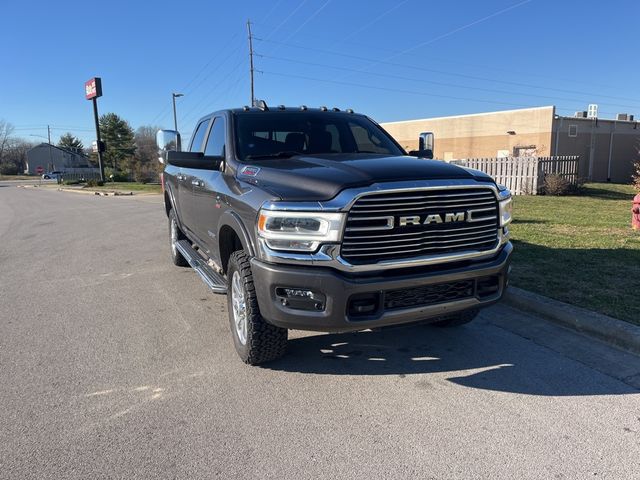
pixel 115 363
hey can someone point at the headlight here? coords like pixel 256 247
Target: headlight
pixel 505 211
pixel 300 231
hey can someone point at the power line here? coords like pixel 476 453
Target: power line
pixel 452 32
pixel 378 48
pixel 313 15
pixel 293 12
pixel 375 20
pixel 388 89
pixel 442 72
pixel 186 116
pixel 186 89
pixel 432 82
pixel 411 92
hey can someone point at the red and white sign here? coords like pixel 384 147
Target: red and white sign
pixel 93 88
pixel 39 170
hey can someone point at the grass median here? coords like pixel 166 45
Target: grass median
pixel 580 249
pixel 129 187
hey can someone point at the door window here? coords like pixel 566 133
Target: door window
pixel 216 142
pixel 198 136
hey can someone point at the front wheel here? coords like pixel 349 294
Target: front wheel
pixel 255 340
pixel 455 319
pixel 175 234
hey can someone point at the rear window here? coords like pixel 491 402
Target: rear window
pixel 308 133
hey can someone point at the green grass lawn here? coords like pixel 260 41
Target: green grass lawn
pixel 580 249
pixel 129 187
pixel 19 177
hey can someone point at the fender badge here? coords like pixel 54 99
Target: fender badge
pixel 249 171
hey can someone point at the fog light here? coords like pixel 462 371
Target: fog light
pixel 300 299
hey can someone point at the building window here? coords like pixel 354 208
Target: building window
pixel 573 130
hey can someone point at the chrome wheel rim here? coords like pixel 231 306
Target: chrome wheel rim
pixel 239 308
pixel 174 237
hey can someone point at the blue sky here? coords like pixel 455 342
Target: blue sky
pixel 393 60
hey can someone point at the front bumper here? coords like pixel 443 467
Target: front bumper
pixel 410 295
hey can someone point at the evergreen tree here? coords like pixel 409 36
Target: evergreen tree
pixel 71 142
pixel 118 137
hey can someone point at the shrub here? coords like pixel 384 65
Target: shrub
pixel 636 175
pixel 556 185
pixel 95 183
pixel 8 168
pixel 71 182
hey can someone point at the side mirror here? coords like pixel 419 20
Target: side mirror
pixel 422 153
pixel 167 140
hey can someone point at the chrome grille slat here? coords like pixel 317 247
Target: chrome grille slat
pixel 374 197
pixel 423 207
pixel 417 250
pixel 366 245
pixel 493 225
pixel 490 231
pixel 384 201
pixel 487 237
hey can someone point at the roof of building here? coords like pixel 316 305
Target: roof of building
pixel 472 114
pixel 45 144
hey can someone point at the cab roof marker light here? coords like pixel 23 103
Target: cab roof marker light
pixel 335 109
pixel 349 110
pixel 303 107
pixel 246 108
pixel 281 107
pixel 323 108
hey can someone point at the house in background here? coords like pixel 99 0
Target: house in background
pixel 51 158
pixel 607 148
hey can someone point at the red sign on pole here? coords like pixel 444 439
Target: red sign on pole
pixel 39 170
pixel 93 88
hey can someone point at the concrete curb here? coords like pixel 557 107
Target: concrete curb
pixel 95 192
pixel 615 332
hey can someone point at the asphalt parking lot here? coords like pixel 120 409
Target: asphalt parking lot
pixel 116 364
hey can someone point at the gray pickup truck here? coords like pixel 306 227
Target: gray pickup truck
pixel 316 219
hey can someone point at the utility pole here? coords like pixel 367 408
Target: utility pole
pixel 253 98
pixel 50 154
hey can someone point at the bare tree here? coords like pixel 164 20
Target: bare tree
pixel 147 167
pixel 6 130
pixel 15 155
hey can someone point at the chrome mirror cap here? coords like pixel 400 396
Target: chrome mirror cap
pixel 167 140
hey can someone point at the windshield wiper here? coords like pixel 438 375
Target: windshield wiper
pixel 287 154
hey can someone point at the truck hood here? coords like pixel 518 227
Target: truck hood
pixel 320 178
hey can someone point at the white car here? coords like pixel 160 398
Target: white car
pixel 51 175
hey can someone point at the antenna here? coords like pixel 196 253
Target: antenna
pixel 253 99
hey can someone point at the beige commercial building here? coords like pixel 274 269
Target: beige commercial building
pixel 607 148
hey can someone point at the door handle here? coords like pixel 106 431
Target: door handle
pixel 197 183
pixel 181 177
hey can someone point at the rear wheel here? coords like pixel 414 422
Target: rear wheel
pixel 255 340
pixel 455 319
pixel 175 234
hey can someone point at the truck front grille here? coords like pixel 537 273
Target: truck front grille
pixel 404 225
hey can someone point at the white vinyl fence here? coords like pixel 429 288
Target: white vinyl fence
pixel 524 175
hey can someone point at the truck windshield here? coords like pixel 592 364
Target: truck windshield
pixel 265 135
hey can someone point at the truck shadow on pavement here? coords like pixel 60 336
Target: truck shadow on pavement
pixel 478 355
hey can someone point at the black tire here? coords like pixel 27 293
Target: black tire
pixel 455 319
pixel 262 341
pixel 175 234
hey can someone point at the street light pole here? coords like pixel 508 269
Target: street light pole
pixel 175 119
